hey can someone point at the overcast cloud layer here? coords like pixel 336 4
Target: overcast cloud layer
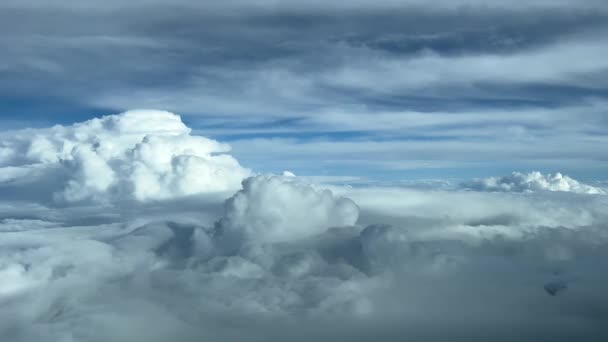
pixel 478 87
pixel 130 228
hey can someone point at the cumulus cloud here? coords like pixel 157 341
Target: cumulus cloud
pixel 142 154
pixel 277 258
pixel 533 181
pixel 288 174
pixel 277 209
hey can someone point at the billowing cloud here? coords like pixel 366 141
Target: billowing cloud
pixel 169 281
pixel 276 257
pixel 278 209
pixel 533 181
pixel 145 155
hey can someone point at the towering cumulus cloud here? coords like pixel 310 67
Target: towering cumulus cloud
pixel 275 209
pixel 142 154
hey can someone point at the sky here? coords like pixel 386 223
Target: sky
pixel 394 170
pixel 384 90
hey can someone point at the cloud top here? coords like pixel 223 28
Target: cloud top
pixel 533 181
pixel 142 154
pixel 276 209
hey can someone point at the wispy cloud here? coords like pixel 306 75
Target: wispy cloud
pixel 506 73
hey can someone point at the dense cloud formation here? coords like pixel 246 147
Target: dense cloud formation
pixel 278 209
pixel 280 258
pixel 534 181
pixel 143 154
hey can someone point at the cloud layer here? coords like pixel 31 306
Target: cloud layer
pixel 97 257
pixel 134 227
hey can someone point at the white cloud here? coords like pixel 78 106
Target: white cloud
pixel 279 209
pixel 430 70
pixel 288 174
pixel 533 181
pixel 143 154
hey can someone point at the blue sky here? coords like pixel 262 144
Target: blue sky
pixel 381 90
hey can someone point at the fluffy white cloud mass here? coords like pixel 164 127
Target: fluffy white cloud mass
pixel 533 181
pixel 278 259
pixel 276 209
pixel 142 154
